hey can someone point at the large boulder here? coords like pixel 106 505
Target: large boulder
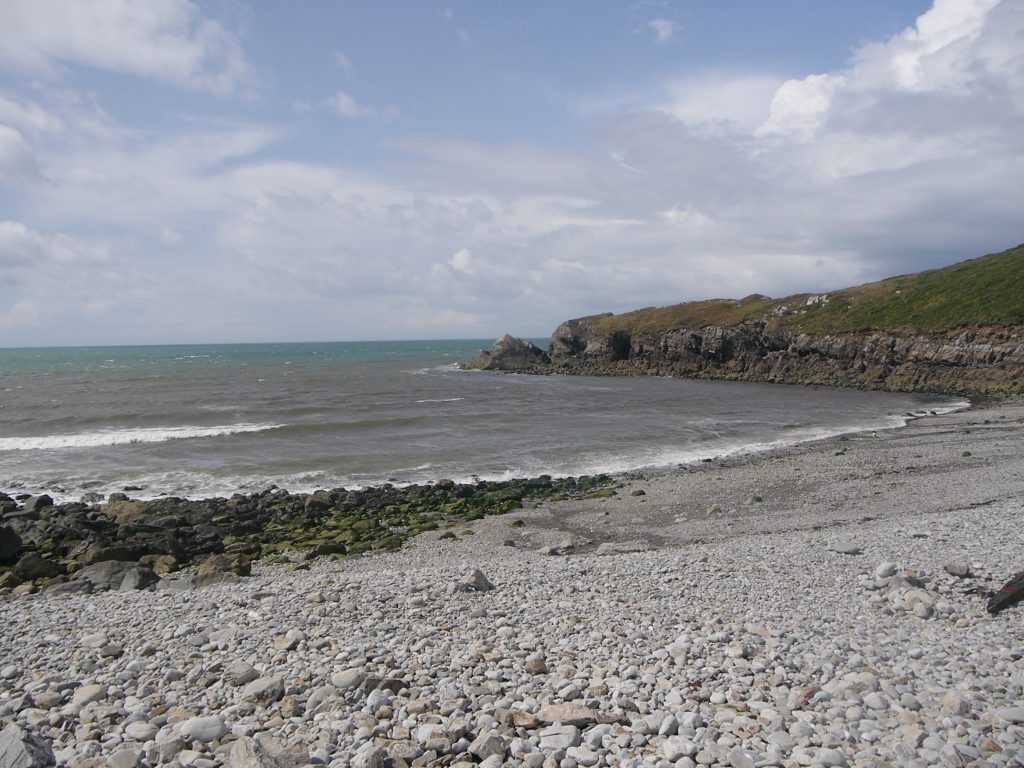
pixel 10 545
pixel 218 568
pixel 511 353
pixel 38 503
pixel 32 566
pixel 116 574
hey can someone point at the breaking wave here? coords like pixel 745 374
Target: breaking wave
pixel 125 436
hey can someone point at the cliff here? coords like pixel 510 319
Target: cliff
pixel 959 329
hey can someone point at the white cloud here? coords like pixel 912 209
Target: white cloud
pixel 22 247
pixel 799 107
pixel 725 184
pixel 346 106
pixel 16 157
pixel 28 116
pixel 345 63
pixel 663 29
pixel 169 236
pixel 462 261
pixel 938 52
pixel 170 40
pixel 716 101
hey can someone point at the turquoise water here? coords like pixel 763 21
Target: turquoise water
pixel 204 420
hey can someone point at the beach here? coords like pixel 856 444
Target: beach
pixel 820 604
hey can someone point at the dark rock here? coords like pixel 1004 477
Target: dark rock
pixel 32 566
pixel 106 575
pixel 37 503
pixel 138 578
pixel 10 545
pixel 99 554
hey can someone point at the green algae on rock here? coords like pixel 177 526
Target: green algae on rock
pixel 273 524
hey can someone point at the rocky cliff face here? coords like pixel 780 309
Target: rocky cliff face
pixel 965 360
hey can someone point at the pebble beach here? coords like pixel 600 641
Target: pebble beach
pixel 818 605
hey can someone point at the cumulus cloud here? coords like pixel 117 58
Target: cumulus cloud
pixel 720 102
pixel 721 184
pixel 799 107
pixel 170 40
pixel 663 29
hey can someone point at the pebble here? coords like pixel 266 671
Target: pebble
pixel 348 679
pixel 679 656
pixel 265 690
pixel 88 694
pixel 239 673
pixel 141 731
pixel 203 729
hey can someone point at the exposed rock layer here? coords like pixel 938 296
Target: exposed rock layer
pixel 964 360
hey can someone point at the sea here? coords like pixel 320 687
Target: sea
pixel 212 420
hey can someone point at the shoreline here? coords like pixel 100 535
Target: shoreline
pixel 744 451
pixel 818 606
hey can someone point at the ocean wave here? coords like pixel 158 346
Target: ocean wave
pixel 125 436
pixel 441 400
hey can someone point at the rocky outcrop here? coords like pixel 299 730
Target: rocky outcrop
pixel 965 360
pixel 126 544
pixel 510 354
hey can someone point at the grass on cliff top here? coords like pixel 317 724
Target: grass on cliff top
pixel 985 290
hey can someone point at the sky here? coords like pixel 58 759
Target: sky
pixel 231 171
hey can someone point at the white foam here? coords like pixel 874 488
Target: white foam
pixel 125 436
pixel 442 400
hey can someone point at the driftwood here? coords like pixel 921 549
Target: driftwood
pixel 1010 593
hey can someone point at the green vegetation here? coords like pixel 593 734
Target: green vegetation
pixel 988 290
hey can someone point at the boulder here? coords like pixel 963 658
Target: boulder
pixel 37 503
pixel 22 749
pixel 32 566
pixel 475 582
pixel 220 568
pixel 511 353
pixel 10 545
pixel 110 574
pixel 98 554
pixel 138 578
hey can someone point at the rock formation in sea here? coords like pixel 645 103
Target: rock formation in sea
pixel 510 354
